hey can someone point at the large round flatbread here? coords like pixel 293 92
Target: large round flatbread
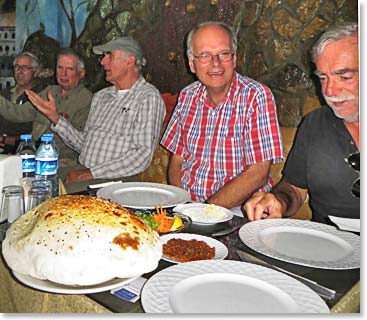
pixel 81 240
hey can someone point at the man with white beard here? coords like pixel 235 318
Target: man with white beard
pixel 324 160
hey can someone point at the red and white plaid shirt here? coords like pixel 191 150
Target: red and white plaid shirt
pixel 218 144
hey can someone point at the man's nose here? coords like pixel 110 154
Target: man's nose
pixel 215 59
pixel 332 88
pixel 103 61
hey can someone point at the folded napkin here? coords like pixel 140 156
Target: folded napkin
pixel 104 184
pixel 347 224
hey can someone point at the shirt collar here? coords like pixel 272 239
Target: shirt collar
pixel 202 91
pixel 115 92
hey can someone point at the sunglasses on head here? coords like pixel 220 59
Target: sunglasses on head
pixel 354 161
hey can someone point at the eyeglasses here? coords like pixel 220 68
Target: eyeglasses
pixel 19 67
pixel 354 161
pixel 224 56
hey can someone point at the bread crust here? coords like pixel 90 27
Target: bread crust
pixel 81 240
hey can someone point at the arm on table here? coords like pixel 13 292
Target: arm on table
pixel 234 192
pixel 284 201
pixel 78 175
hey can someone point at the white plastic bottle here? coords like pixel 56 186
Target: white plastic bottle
pixel 47 162
pixel 27 151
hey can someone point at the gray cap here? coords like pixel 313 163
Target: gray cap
pixel 127 44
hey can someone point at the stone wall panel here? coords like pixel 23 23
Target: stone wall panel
pixel 274 40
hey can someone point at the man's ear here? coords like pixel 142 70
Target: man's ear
pixel 37 72
pixel 82 73
pixel 131 60
pixel 192 65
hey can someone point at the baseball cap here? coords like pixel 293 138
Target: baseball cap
pixel 127 44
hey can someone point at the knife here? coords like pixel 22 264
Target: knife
pixel 322 291
pixel 226 231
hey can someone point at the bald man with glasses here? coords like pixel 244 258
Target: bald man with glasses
pixel 223 133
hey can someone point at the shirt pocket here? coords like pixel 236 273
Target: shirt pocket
pixel 230 150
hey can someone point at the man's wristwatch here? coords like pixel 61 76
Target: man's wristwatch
pixel 4 135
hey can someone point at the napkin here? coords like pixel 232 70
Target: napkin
pixel 104 184
pixel 130 291
pixel 347 224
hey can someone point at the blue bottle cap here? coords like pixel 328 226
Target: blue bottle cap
pixel 46 138
pixel 25 137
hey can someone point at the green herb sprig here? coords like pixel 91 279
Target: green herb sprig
pixel 148 218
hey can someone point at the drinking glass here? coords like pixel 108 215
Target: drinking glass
pixel 12 205
pixel 37 195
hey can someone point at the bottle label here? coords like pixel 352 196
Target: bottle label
pixel 46 166
pixel 28 163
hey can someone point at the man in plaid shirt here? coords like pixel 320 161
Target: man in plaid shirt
pixel 223 133
pixel 124 122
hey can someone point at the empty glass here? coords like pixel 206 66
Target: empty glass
pixel 12 205
pixel 37 195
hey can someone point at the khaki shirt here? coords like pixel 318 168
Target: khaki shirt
pixel 74 105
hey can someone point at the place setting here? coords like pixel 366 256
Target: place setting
pixel 228 287
pixel 303 242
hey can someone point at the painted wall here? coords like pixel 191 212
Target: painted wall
pixel 54 17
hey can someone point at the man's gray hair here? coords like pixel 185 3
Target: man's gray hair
pixel 225 26
pixel 333 34
pixel 71 52
pixel 35 61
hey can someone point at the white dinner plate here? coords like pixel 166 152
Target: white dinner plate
pixel 226 286
pixel 144 195
pixel 221 250
pixel 303 242
pixel 49 286
pixel 200 213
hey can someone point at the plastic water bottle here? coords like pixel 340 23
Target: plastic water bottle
pixel 27 151
pixel 47 162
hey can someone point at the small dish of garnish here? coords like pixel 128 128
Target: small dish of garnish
pixel 164 222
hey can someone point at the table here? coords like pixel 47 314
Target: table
pixel 16 297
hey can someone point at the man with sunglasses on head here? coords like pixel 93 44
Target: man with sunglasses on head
pixel 324 160
pixel 124 122
pixel 26 72
pixel 223 133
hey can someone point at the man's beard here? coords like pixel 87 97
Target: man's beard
pixel 341 98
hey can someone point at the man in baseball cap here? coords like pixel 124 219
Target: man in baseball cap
pixel 127 44
pixel 124 122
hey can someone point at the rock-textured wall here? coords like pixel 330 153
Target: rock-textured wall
pixel 275 37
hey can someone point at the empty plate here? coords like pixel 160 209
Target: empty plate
pixel 144 195
pixel 226 286
pixel 303 242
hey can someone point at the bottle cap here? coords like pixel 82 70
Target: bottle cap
pixel 46 138
pixel 25 137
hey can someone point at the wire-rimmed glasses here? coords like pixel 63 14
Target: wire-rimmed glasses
pixel 207 57
pixel 19 67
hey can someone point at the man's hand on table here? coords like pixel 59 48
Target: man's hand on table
pixel 79 175
pixel 263 205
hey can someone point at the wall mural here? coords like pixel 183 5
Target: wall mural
pixel 62 20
